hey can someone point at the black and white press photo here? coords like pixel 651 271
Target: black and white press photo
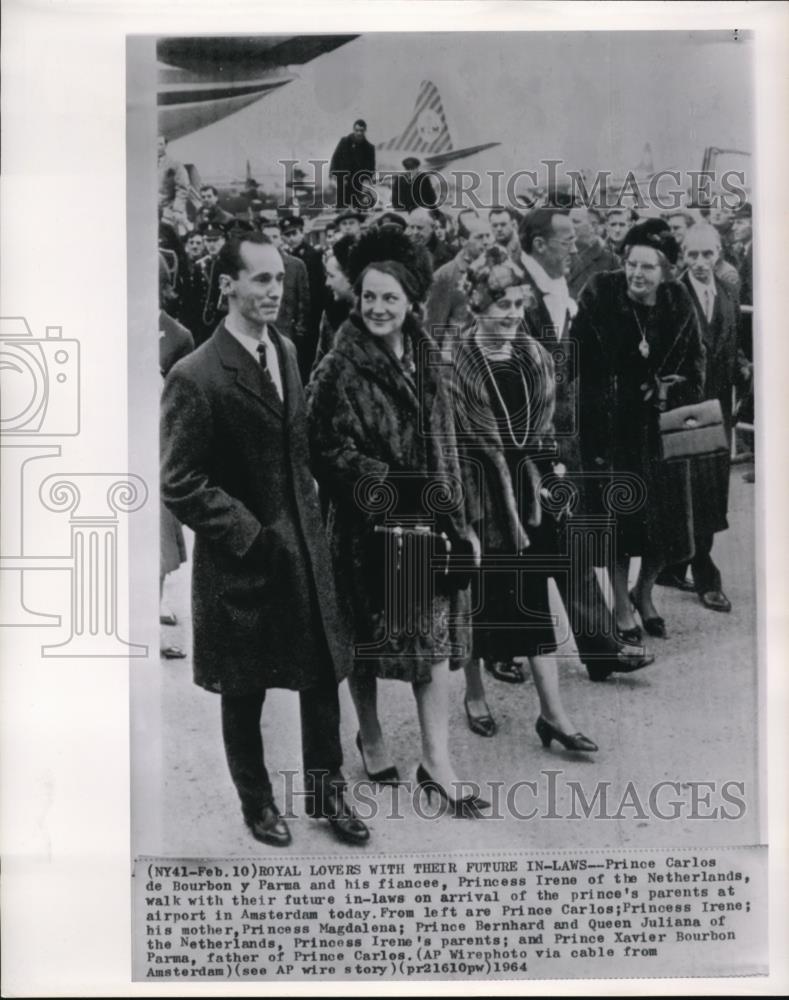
pixel 455 428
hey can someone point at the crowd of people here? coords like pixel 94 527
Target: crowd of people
pixel 467 390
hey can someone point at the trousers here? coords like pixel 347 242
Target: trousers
pixel 321 749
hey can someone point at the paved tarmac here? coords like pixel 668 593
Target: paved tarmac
pixel 690 719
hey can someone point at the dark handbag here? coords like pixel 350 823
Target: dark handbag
pixel 410 555
pixel 693 431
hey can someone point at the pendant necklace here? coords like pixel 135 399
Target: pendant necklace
pixel 518 444
pixel 643 347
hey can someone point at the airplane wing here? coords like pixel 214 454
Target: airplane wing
pixel 203 79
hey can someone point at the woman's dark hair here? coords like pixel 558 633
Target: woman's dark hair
pixel 405 260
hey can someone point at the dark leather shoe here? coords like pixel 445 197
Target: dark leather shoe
pixel 268 826
pixel 715 600
pixel 666 578
pixel 625 662
pixel 344 822
pixel 509 671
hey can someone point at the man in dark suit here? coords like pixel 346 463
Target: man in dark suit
pixel 292 229
pixel 352 166
pixel 295 304
pixel 548 242
pixel 234 469
pixel 725 366
pixel 592 254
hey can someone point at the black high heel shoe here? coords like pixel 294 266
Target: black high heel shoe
pixel 388 776
pixel 630 636
pixel 482 725
pixel 576 741
pixel 655 626
pixel 469 807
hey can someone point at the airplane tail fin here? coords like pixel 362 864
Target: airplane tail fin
pixel 427 131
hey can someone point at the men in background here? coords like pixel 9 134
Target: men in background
pixel 504 225
pixel 349 223
pixel 211 211
pixel 717 311
pixel 617 223
pixel 592 254
pixel 679 222
pixel 295 300
pixel 742 236
pixel 194 285
pixel 235 470
pixel 412 189
pixel 173 188
pixel 742 247
pixel 292 229
pixel 420 230
pixel 447 303
pixel 548 241
pixel 352 166
pixel 213 307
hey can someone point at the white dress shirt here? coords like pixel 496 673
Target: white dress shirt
pixel 558 300
pixel 705 294
pixel 251 344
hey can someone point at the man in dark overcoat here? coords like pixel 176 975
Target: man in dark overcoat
pixel 235 470
pixel 352 166
pixel 548 240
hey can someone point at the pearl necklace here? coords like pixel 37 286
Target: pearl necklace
pixel 518 444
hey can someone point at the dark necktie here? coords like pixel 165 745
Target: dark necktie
pixel 266 372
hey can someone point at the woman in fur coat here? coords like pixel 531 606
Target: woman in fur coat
pixel 383 444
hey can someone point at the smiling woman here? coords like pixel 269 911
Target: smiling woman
pixel 382 436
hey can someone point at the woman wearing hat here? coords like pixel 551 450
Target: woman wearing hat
pixel 639 348
pixel 505 406
pixel 383 443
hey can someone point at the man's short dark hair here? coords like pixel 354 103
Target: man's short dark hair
pixel 498 209
pixel 208 187
pixel 229 260
pixel 361 123
pixel 538 222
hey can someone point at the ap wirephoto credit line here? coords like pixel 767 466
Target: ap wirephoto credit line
pixel 456 462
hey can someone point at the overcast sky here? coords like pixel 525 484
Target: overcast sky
pixel 592 99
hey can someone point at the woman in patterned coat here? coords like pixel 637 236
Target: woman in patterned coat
pixel 506 398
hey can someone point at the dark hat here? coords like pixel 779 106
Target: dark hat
pixel 391 251
pixel 212 230
pixel 653 233
pixel 290 222
pixel 256 205
pixel 241 226
pixel 349 213
pixel 411 163
pixel 745 211
pixel 392 219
